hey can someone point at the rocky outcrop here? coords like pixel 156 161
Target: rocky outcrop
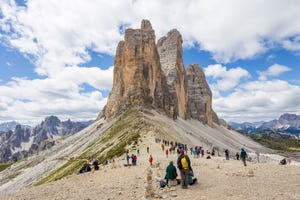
pixel 153 75
pixel 138 80
pixel 199 95
pixel 170 53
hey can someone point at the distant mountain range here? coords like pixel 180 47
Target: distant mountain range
pixel 4 127
pixel 18 141
pixel 288 125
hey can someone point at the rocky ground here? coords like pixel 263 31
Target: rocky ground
pixel 217 179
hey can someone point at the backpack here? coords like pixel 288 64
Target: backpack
pixel 184 163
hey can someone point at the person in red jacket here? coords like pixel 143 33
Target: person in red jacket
pixel 151 160
pixel 167 152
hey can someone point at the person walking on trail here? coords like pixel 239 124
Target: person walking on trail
pixel 243 156
pixel 167 152
pixel 237 155
pixel 151 160
pixel 184 164
pixel 227 154
pixel 147 149
pixel 171 174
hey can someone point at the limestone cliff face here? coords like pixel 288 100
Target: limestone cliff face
pixel 153 75
pixel 138 79
pixel 199 95
pixel 170 53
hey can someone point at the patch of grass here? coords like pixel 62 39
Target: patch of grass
pixel 125 132
pixel 13 175
pixel 292 145
pixel 67 169
pixel 3 166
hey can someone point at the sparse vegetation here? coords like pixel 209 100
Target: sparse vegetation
pixel 3 166
pixel 125 133
pixel 285 144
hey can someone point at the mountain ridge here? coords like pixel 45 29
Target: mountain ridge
pixel 288 123
pixel 23 141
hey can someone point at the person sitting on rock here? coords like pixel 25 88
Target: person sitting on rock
pixel 171 174
pixel 191 180
pixel 283 161
pixel 85 168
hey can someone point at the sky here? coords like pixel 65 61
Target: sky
pixel 56 56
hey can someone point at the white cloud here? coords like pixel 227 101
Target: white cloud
pixel 225 79
pixel 252 100
pixel 257 100
pixel 29 101
pixel 274 70
pixel 292 44
pixel 228 29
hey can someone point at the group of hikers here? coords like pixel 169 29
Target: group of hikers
pixel 183 162
pixel 198 150
pixel 185 169
pixel 87 167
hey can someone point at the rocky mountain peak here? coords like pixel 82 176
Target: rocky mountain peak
pixel 153 76
pixel 289 117
pixel 146 25
pixel 51 121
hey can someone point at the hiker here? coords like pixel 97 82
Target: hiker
pixel 85 168
pixel 127 160
pixel 184 164
pixel 134 159
pixel 283 161
pixel 95 164
pixel 138 151
pixel 167 152
pixel 243 156
pixel 191 180
pixel 147 149
pixel 171 174
pixel 213 151
pixel 113 161
pixel 151 160
pixel 162 147
pixel 202 152
pixel 237 155
pixel 227 154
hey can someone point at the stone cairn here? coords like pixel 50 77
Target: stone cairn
pixel 149 187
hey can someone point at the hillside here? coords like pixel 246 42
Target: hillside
pixel 105 139
pixel 217 178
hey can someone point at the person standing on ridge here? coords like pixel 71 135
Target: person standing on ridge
pixel 243 156
pixel 151 160
pixel 227 154
pixel 184 164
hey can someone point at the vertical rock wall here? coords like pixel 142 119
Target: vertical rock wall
pixel 170 54
pixel 153 76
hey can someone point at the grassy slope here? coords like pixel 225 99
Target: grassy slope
pixel 291 145
pixel 3 166
pixel 125 133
